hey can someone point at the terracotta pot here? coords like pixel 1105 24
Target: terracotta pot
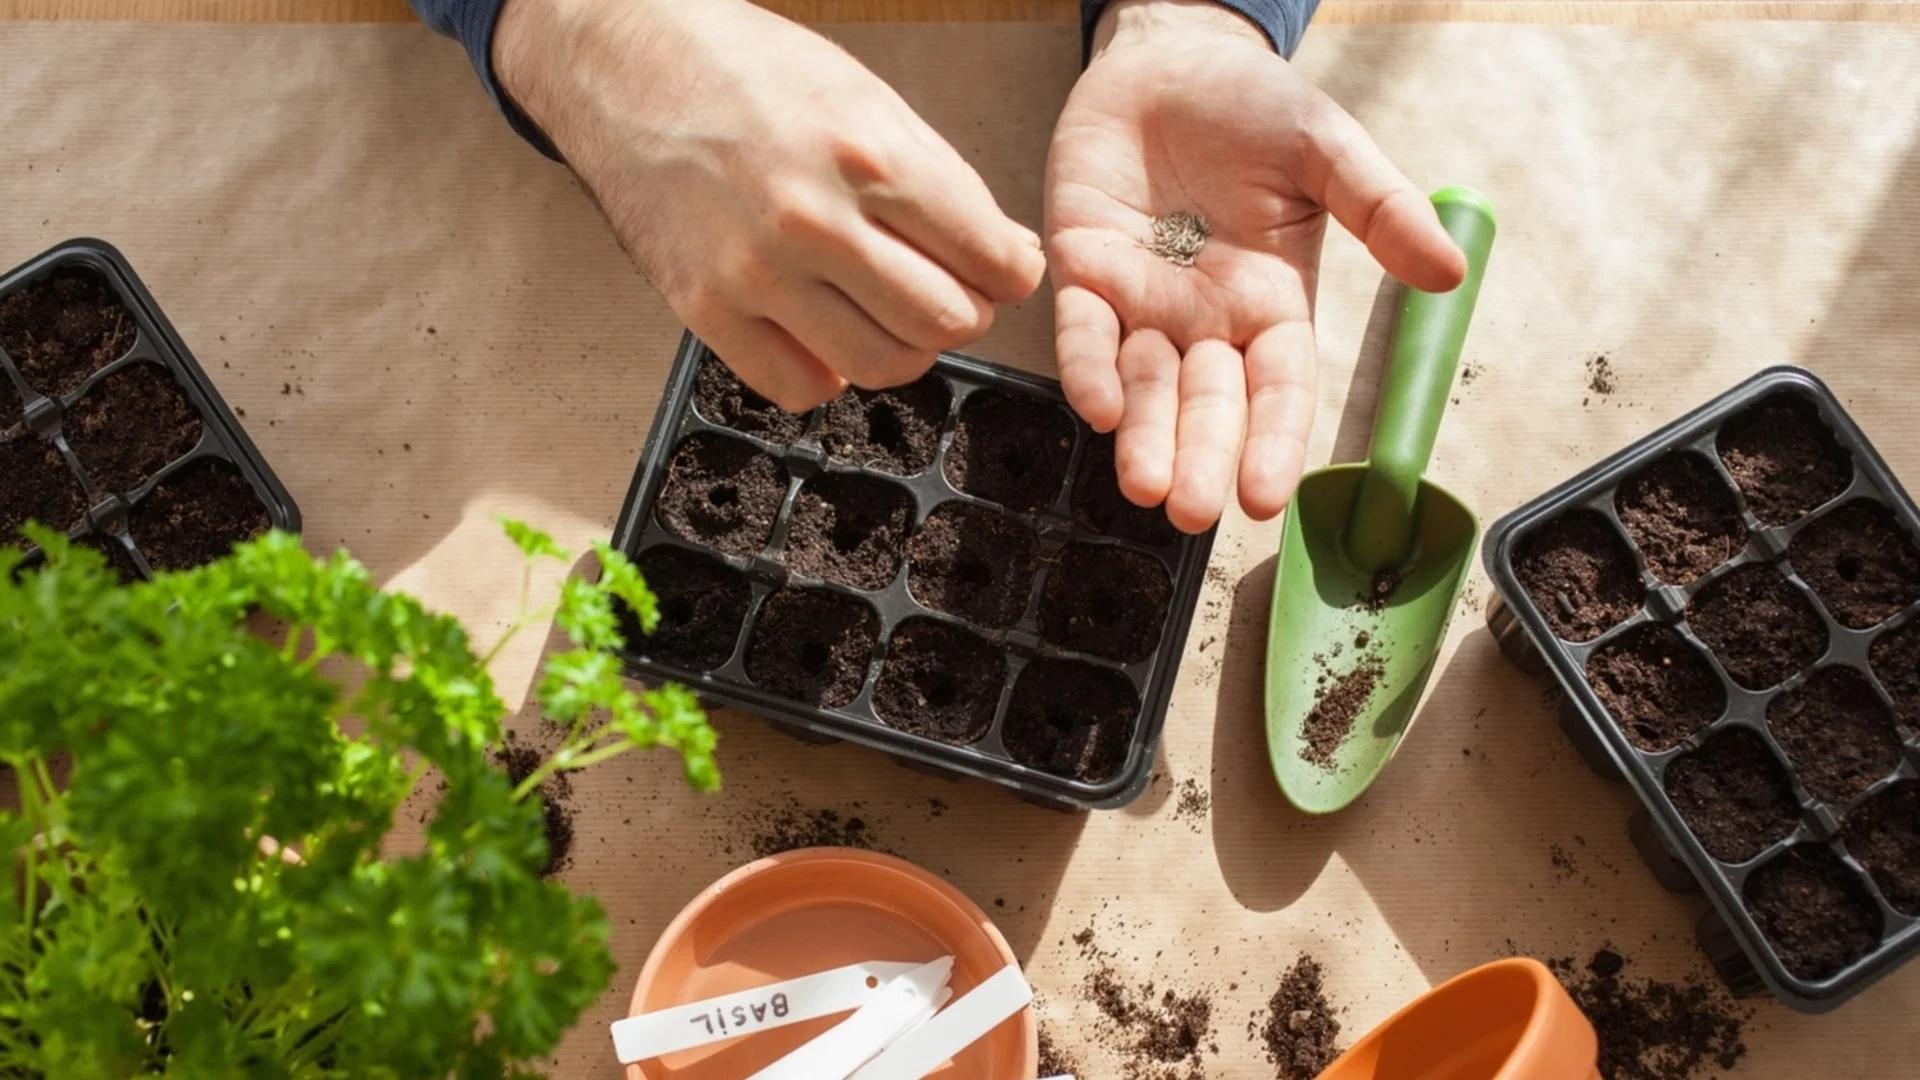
pixel 1508 1020
pixel 814 910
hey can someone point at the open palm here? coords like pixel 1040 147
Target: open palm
pixel 1203 366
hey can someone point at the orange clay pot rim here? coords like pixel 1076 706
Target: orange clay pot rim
pixel 1540 1018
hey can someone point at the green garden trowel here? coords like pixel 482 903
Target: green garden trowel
pixel 1373 558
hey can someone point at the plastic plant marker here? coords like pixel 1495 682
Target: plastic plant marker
pixel 957 1027
pixel 1352 528
pixel 844 989
pixel 1508 1020
pixel 845 1047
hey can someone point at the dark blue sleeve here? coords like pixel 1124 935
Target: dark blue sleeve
pixel 1285 21
pixel 470 22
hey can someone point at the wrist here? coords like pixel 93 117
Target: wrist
pixel 1127 22
pixel 548 55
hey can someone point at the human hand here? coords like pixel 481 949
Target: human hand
pixel 792 209
pixel 1185 107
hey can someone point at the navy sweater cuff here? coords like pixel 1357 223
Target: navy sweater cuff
pixel 471 22
pixel 1283 21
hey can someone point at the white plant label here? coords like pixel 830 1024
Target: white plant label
pixel 837 1052
pixel 746 1012
pixel 955 1028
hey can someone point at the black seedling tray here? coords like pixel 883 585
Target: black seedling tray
pixel 1017 644
pixel 1806 832
pixel 113 510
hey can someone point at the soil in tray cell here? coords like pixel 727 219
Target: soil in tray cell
pixel 1011 450
pixel 1837 733
pixel 196 516
pixel 849 528
pixel 35 484
pixel 1579 573
pixel 63 329
pixel 130 426
pixel 1813 910
pixel 895 431
pixel 1682 516
pixel 11 407
pixel 972 562
pixel 1784 457
pixel 722 492
pixel 1760 626
pixel 723 399
pixel 940 682
pixel 1734 795
pixel 1099 505
pixel 1658 688
pixel 1896 660
pixel 701 603
pixel 1105 600
pixel 1071 719
pixel 1860 562
pixel 1883 833
pixel 119 560
pixel 813 645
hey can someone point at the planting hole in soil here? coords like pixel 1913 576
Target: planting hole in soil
pixel 1105 600
pixel 130 426
pixel 972 562
pixel 701 601
pixel 895 430
pixel 196 516
pixel 1837 733
pixel 1884 834
pixel 1579 573
pixel 1658 688
pixel 1760 626
pixel 1784 457
pixel 849 528
pixel 1011 450
pixel 1734 795
pixel 722 492
pixel 1860 562
pixel 940 682
pixel 1682 516
pixel 813 645
pixel 1896 660
pixel 1813 910
pixel 1071 719
pixel 1099 505
pixel 723 399
pixel 63 329
pixel 36 485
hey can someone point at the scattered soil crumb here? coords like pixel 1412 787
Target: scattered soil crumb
pixel 1563 865
pixel 1654 1030
pixel 1337 706
pixel 1159 1033
pixel 1600 376
pixel 771 830
pixel 1469 372
pixel 1194 805
pixel 1300 1033
pixel 1179 236
pixel 522 760
pixel 1380 589
pixel 1057 1060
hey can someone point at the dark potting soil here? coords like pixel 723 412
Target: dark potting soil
pixel 1896 660
pixel 130 426
pixel 701 602
pixel 1338 703
pixel 1658 688
pixel 1301 1034
pixel 1682 516
pixel 972 562
pixel 1760 626
pixel 1734 795
pixel 813 645
pixel 722 492
pixel 1884 834
pixel 940 682
pixel 895 430
pixel 63 329
pixel 1105 600
pixel 1837 733
pixel 1784 457
pixel 788 826
pixel 721 397
pixel 1011 450
pixel 521 761
pixel 119 559
pixel 1651 1029
pixel 1579 573
pixel 1071 719
pixel 196 516
pixel 1817 915
pixel 849 528
pixel 1161 1034
pixel 35 484
pixel 1099 505
pixel 1860 562
pixel 1055 1059
pixel 11 407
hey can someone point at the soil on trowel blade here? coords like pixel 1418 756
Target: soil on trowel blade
pixel 1336 706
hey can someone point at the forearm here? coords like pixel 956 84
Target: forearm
pixel 1283 22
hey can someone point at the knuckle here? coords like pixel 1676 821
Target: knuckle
pixel 793 214
pixel 890 368
pixel 950 326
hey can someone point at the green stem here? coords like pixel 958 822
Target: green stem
pixel 513 629
pixel 30 806
pixel 573 756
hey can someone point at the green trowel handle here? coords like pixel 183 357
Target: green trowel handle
pixel 1420 369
